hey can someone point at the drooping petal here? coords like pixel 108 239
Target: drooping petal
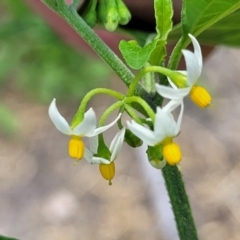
pixel 193 68
pixel 197 51
pixel 164 125
pixel 88 155
pixel 170 106
pixel 142 132
pixel 88 124
pixel 58 120
pixel 104 128
pixel 172 93
pixel 116 144
pixel 179 121
pixel 93 141
pixel 99 160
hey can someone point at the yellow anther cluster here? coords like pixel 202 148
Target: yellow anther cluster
pixel 76 148
pixel 200 96
pixel 107 171
pixel 172 153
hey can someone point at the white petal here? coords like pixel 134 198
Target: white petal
pixel 93 144
pixel 88 155
pixel 193 68
pixel 179 121
pixel 116 144
pixel 88 124
pixel 158 164
pixel 197 51
pixel 104 128
pixel 143 133
pixel 171 106
pixel 172 93
pixel 164 125
pixel 58 120
pixel 99 160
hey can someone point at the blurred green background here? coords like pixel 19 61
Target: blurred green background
pixel 37 64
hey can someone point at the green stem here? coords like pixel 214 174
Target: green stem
pixel 145 70
pixel 108 111
pixel 173 178
pixel 89 36
pixel 143 103
pixel 180 204
pixel 81 110
pixel 71 16
pixel 132 113
pixel 176 53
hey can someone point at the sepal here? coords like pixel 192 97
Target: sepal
pixel 155 156
pixel 132 140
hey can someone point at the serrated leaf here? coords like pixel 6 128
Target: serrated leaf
pixel 163 14
pixel 135 55
pixel 198 15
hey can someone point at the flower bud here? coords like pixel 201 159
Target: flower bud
pixel 124 13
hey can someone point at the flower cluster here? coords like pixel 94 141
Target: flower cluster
pixel 157 131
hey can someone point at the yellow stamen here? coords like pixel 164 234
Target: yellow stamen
pixel 107 171
pixel 172 153
pixel 200 96
pixel 76 148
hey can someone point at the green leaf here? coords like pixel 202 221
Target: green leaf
pixel 134 55
pixel 6 238
pixel 224 32
pixel 8 122
pixel 163 14
pixel 198 15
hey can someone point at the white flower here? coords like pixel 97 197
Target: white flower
pixel 164 130
pixel 86 128
pixel 115 148
pixel 194 64
pixel 164 125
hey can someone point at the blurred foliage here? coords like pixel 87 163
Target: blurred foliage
pixel 35 62
pixel 8 121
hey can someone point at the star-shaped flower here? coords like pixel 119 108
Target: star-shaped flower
pixel 86 128
pixel 165 128
pixel 105 157
pixel 194 64
pixel 92 155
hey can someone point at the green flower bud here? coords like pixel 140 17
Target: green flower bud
pixel 90 14
pixel 112 20
pixel 132 140
pixel 124 13
pixel 108 14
